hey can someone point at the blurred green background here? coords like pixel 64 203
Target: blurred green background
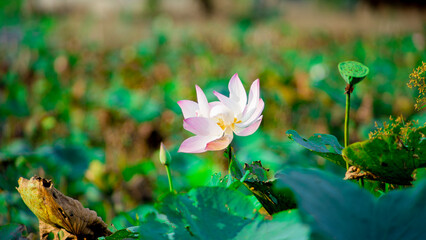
pixel 88 89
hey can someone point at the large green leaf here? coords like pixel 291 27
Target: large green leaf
pixel 254 177
pixel 263 189
pixel 338 209
pixel 214 213
pixel 272 199
pixel 133 217
pixel 154 228
pixel 388 157
pixel 283 226
pixel 128 233
pixel 318 145
pixel 208 213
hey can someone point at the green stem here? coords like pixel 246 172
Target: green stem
pixel 229 159
pixel 361 182
pixel 348 107
pixel 229 151
pixel 245 176
pixel 348 110
pixel 169 176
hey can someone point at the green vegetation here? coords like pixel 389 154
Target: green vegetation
pixel 86 100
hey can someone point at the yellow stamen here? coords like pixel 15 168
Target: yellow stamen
pixel 235 121
pixel 221 124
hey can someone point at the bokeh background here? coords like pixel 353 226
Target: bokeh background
pixel 88 89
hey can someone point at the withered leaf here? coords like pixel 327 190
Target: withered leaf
pixel 57 212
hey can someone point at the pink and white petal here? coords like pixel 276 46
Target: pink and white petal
pixel 251 116
pixel 203 104
pixel 237 93
pixel 188 107
pixel 221 111
pixel 255 89
pixel 220 143
pixel 254 97
pixel 232 105
pixel 202 126
pixel 195 144
pixel 214 104
pixel 245 131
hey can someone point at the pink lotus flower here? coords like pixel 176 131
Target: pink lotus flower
pixel 215 123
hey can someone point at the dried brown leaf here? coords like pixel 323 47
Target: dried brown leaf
pixel 57 212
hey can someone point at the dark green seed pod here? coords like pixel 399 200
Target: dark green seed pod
pixel 353 72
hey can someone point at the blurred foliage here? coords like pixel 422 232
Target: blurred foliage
pixel 335 209
pixel 12 231
pixel 87 102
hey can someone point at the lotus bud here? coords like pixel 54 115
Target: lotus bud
pixel 165 157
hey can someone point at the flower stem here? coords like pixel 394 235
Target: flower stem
pixel 361 182
pixel 230 157
pixel 229 160
pixel 169 176
pixel 348 106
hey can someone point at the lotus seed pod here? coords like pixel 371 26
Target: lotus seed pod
pixel 353 72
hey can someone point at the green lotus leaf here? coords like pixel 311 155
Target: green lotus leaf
pixel 318 145
pixel 272 199
pixel 338 209
pixel 255 179
pixel 264 190
pixel 389 158
pixel 284 225
pixel 214 213
pixel 353 72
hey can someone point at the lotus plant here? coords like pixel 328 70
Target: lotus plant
pixel 215 123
